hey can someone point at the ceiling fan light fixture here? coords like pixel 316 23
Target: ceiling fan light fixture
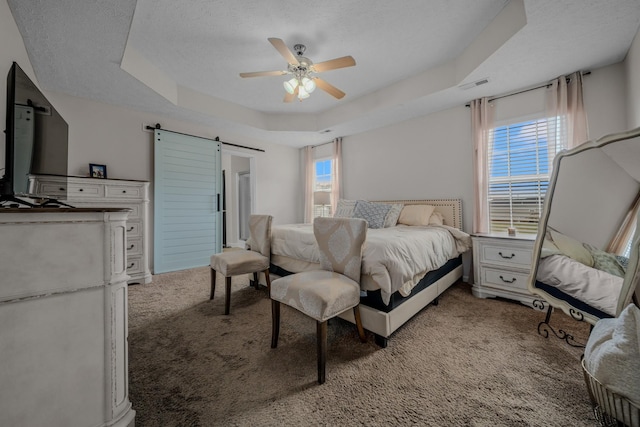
pixel 302 93
pixel 308 84
pixel 290 85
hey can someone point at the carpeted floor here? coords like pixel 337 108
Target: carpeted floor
pixel 465 362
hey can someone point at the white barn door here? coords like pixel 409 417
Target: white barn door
pixel 187 201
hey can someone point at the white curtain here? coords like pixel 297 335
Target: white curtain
pixel 481 127
pixel 308 184
pixel 566 118
pixel 336 174
pixel 620 241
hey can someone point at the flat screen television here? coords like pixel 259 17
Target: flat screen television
pixel 36 140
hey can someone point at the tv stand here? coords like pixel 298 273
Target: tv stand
pixel 11 201
pixel 16 202
pixel 54 203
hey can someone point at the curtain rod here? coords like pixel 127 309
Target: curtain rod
pixel 217 138
pixel 586 73
pixel 320 145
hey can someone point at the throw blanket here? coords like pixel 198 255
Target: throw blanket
pixel 612 354
pixel 394 258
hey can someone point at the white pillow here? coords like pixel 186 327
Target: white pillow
pixel 415 214
pixel 345 209
pixel 436 218
pixel 392 216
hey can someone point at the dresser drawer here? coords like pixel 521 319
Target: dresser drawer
pixel 134 229
pixel 75 190
pixel 134 265
pixel 507 255
pixel 122 192
pixel 504 278
pixel 52 189
pixel 134 245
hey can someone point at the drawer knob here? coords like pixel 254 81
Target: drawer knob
pixel 61 189
pixel 124 191
pixel 130 228
pixel 130 265
pixel 130 247
pixel 507 281
pixel 80 189
pixel 506 256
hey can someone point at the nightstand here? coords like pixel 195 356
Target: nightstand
pixel 501 266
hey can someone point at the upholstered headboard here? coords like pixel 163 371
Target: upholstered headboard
pixel 451 209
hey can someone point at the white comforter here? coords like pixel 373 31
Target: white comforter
pixel 394 258
pixel 596 288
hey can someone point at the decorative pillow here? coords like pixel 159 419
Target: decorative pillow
pixel 373 213
pixel 605 261
pixel 415 214
pixel 571 247
pixel 392 216
pixel 436 218
pixel 345 208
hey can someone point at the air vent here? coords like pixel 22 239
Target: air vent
pixel 474 84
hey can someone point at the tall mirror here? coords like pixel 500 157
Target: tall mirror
pixel 585 255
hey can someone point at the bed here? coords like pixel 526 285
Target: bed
pixel 404 267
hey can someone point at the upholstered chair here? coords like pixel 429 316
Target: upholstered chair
pixel 252 261
pixel 323 294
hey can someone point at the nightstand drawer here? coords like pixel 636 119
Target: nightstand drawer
pixel 506 255
pixel 504 278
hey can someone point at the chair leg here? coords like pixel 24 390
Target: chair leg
pixel 322 350
pixel 356 314
pixel 213 284
pixel 266 276
pixel 227 297
pixel 255 281
pixel 275 323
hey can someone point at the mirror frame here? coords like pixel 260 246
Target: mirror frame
pixel 632 278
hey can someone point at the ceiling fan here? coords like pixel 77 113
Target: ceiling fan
pixel 302 69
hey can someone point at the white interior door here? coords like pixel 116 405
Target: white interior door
pixel 187 201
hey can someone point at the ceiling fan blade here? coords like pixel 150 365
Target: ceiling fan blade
pixel 329 88
pixel 289 97
pixel 284 50
pixel 263 73
pixel 332 64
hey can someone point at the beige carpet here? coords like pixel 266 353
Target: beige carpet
pixel 465 362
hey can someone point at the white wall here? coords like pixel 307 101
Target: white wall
pixel 431 156
pixel 605 100
pixel 632 68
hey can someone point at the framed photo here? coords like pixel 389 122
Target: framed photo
pixel 97 171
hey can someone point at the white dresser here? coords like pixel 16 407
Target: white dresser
pixel 64 317
pixel 501 266
pixel 85 192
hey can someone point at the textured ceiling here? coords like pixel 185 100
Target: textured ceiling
pixel 182 59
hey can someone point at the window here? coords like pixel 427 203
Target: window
pixel 322 183
pixel 519 169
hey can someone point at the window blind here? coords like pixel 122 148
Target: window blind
pixel 519 169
